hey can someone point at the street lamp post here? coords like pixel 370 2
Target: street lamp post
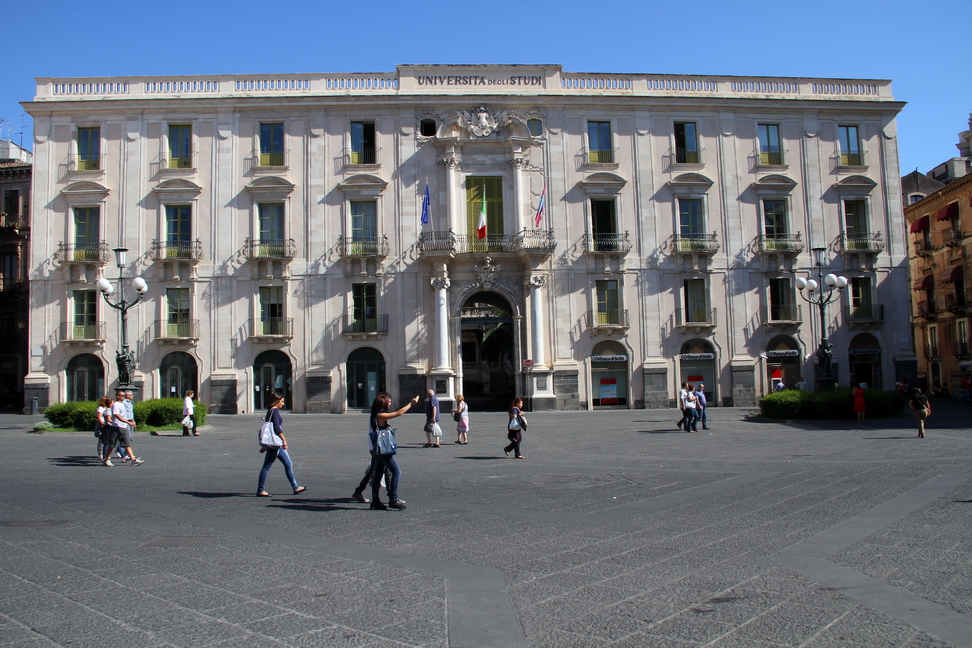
pixel 124 358
pixel 815 295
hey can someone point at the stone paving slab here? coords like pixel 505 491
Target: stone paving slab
pixel 616 530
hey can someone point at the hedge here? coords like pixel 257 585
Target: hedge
pixel 157 412
pixel 839 404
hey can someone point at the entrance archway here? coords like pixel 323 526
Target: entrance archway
pixel 783 362
pixel 366 377
pixel 85 378
pixel 609 376
pixel 697 363
pixel 488 351
pixel 864 358
pixel 177 375
pixel 271 373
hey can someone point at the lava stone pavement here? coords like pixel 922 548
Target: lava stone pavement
pixel 615 530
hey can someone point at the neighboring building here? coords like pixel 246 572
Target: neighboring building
pixel 940 226
pixel 277 221
pixel 15 171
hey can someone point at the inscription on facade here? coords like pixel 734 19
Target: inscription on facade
pixel 464 80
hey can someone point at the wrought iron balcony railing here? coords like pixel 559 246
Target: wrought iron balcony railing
pixel 783 314
pixel 84 162
pixel 615 318
pixel 695 243
pixel 176 250
pixel 363 246
pixel 695 317
pixel 607 243
pixel 363 155
pixel 431 243
pixel 271 327
pixel 271 158
pixel 376 324
pixel 855 158
pixel 269 249
pixel 89 253
pixel 932 352
pixel 89 332
pixel 685 155
pixel 872 242
pixel 771 158
pixel 180 328
pixel 780 243
pixel 535 240
pixel 601 155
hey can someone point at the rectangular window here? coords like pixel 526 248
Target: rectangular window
pixel 782 302
pixel 962 336
pixel 363 149
pixel 774 219
pixel 686 143
pixel 177 318
pixel 89 149
pixel 364 311
pixel 180 147
pixel 696 300
pixel 87 230
pixel 933 342
pixel 608 302
pixel 690 222
pixel 599 146
pixel 364 227
pixel 855 224
pixel 11 267
pixel 272 310
pixel 493 188
pixel 769 144
pixel 271 145
pixel 850 146
pixel 272 242
pixel 862 302
pixel 604 225
pixel 85 315
pixel 178 231
pixel 11 204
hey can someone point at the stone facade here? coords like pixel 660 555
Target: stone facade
pixel 278 222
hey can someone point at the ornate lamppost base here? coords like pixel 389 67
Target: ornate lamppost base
pixel 826 383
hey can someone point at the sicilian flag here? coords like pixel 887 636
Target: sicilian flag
pixel 426 205
pixel 481 228
pixel 540 207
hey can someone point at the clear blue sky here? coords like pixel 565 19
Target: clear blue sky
pixel 923 48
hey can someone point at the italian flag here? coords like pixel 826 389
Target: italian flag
pixel 481 228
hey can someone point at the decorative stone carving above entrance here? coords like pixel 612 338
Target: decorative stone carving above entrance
pixel 483 122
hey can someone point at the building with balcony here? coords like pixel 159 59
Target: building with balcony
pixel 15 182
pixel 279 223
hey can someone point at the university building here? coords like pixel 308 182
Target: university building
pixel 278 224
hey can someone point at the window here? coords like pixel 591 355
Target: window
pixel 272 243
pixel 913 198
pixel 862 303
pixel 855 224
pixel 535 126
pixel 769 144
pixel 364 228
pixel 686 143
pixel 11 204
pixel 85 315
pixel 599 142
pixel 363 143
pixel 87 230
pixel 962 337
pixel 272 310
pixel 11 267
pixel 608 302
pixel 178 231
pixel 690 225
pixel 493 189
pixel 89 149
pixel 850 146
pixel 271 145
pixel 364 312
pixel 177 318
pixel 604 225
pixel 427 128
pixel 774 219
pixel 781 298
pixel 180 147
pixel 696 300
pixel 933 342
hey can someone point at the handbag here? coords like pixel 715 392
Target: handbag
pixel 269 438
pixel 186 422
pixel 516 423
pixel 523 422
pixel 385 445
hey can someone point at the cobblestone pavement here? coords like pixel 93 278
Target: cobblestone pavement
pixel 615 530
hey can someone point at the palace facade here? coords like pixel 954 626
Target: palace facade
pixel 278 223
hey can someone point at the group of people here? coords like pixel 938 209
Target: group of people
pixel 382 466
pixel 692 403
pixel 115 421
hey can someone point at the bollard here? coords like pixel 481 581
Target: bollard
pixel 33 406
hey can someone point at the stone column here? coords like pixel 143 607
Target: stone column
pixel 518 164
pixel 536 283
pixel 441 347
pixel 452 162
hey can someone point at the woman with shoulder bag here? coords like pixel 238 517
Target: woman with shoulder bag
pixel 922 408
pixel 102 423
pixel 515 427
pixel 379 421
pixel 277 452
pixel 461 416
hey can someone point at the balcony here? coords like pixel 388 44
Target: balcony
pixel 864 315
pixel 363 156
pixel 962 351
pixel 608 322
pixel 182 331
pixel 770 158
pixel 952 302
pixel 854 160
pixel 271 329
pixel 932 353
pixel 269 249
pixel 926 309
pixel 779 243
pixel 449 244
pixel 368 327
pixel 270 159
pixel 607 243
pixel 81 335
pixel 82 253
pixel 866 242
pixel 358 247
pixel 695 243
pixel 952 237
pixel 190 251
pixel 83 162
pixel 535 242
pixel 695 319
pixel 687 156
pixel 187 163
pixel 782 316
pixel 924 247
pixel 601 156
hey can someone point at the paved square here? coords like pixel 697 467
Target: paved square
pixel 616 530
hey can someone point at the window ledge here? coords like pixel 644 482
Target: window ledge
pixel 187 341
pixel 362 335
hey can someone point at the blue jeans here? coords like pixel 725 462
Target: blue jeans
pixel 700 414
pixel 271 455
pixel 388 463
pixel 693 419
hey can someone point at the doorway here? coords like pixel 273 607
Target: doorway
pixel 177 372
pixel 272 374
pixel 85 378
pixel 366 377
pixel 488 352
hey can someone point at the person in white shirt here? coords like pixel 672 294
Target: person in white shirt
pixel 121 421
pixel 691 413
pixel 188 409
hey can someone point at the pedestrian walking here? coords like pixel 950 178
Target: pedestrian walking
pixel 700 405
pixel 922 408
pixel 461 415
pixel 273 453
pixel 682 393
pixel 432 429
pixel 379 421
pixel 515 427
pixel 121 432
pixel 860 407
pixel 102 423
pixel 189 411
pixel 691 411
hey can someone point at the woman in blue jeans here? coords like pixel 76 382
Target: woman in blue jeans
pixel 379 421
pixel 272 454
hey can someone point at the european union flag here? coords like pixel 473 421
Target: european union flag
pixel 426 205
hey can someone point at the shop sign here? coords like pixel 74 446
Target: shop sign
pixel 863 351
pixel 783 353
pixel 609 358
pixel 697 356
pixel 609 391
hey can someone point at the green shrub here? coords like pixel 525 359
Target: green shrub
pixel 62 414
pixel 158 412
pixel 838 404
pixel 43 426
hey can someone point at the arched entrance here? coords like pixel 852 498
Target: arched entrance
pixel 609 376
pixel 864 358
pixel 85 378
pixel 697 363
pixel 177 375
pixel 488 351
pixel 366 377
pixel 271 373
pixel 783 362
